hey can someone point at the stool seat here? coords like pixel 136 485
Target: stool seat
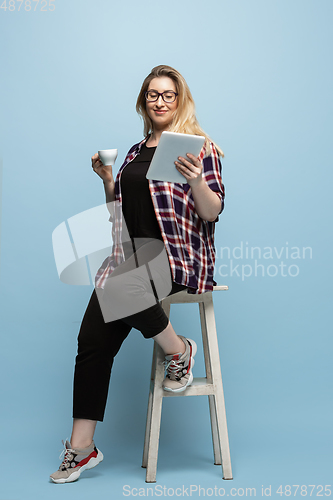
pixel 210 386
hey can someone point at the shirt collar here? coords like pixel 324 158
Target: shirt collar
pixel 139 146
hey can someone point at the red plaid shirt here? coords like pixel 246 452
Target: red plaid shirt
pixel 188 239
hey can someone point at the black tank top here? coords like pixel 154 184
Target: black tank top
pixel 137 205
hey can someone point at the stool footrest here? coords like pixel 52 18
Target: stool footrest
pixel 199 387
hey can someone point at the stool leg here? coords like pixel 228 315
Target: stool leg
pixel 148 428
pixel 213 358
pixel 150 405
pixel 223 432
pixel 155 419
pixel 215 431
pixel 212 408
pixel 154 411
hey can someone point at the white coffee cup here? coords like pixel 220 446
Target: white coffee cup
pixel 108 156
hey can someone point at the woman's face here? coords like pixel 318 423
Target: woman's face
pixel 160 112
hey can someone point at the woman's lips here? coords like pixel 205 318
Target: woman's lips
pixel 159 112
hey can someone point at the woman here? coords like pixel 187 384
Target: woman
pixel 182 218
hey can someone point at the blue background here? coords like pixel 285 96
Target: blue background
pixel 261 76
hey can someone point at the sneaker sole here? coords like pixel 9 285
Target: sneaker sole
pixel 190 380
pixel 75 476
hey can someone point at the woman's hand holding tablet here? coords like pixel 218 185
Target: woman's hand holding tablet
pixel 191 168
pixel 165 165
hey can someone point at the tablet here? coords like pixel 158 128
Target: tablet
pixel 170 146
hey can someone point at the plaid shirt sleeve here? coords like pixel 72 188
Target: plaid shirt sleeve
pixel 212 172
pixel 188 239
pixel 116 218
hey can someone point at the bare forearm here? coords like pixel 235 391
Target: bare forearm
pixel 207 203
pixel 105 173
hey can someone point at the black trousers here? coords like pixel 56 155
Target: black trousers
pixel 98 344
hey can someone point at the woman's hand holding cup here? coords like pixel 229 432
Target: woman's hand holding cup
pixel 102 164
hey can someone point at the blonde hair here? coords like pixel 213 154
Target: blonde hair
pixel 184 120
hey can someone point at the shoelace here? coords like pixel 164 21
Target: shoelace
pixel 65 455
pixel 173 367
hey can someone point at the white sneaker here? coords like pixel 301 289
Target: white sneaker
pixel 75 462
pixel 179 368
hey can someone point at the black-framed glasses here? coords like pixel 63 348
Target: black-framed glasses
pixel 167 96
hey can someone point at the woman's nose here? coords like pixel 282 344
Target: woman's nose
pixel 160 101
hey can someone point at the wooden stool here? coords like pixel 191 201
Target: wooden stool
pixel 210 386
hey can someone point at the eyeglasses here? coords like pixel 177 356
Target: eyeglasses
pixel 167 96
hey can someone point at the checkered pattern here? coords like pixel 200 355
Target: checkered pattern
pixel 188 239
